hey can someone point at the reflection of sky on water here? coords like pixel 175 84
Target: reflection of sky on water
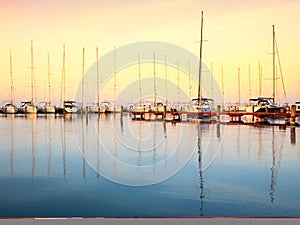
pixel 134 152
pixel 255 171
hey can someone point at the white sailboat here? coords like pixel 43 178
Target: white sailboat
pixel 112 107
pixel 45 107
pixel 28 107
pixel 200 107
pixel 67 106
pixel 205 108
pixel 268 104
pixel 97 108
pixel 10 108
pixel 138 107
pixel 71 106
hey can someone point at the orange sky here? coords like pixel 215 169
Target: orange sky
pixel 238 34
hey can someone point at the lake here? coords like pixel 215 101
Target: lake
pixel 112 166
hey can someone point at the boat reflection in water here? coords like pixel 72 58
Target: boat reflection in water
pixel 109 165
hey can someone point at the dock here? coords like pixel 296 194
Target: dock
pixel 287 117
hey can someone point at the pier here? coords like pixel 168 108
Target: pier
pixel 287 117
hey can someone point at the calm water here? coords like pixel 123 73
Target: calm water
pixel 114 167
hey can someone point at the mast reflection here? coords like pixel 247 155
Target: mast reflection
pixel 83 144
pixel 293 135
pixel 12 145
pixel 154 148
pixel 238 142
pixel 166 142
pixel 63 144
pixel 98 146
pixel 49 147
pixel 201 180
pixel 139 145
pixel 33 118
pixel 275 164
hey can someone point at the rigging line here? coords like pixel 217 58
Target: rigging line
pixel 280 69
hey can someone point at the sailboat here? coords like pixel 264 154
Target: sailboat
pixel 267 104
pixel 201 106
pixel 28 107
pixel 141 107
pixel 67 106
pixel 45 107
pixel 111 107
pixel 95 108
pixel 99 107
pixel 10 108
pixel 137 109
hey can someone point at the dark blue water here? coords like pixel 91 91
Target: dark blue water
pixel 60 167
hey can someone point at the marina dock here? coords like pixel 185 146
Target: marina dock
pixel 287 117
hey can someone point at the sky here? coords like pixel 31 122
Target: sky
pixel 237 34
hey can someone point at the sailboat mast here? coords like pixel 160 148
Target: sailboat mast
pixel 154 77
pixel 259 77
pixel 63 82
pixel 82 79
pixel 49 85
pixel 166 77
pixel 222 70
pixel 274 68
pixel 32 73
pixel 200 63
pixel 239 87
pixel 97 72
pixel 115 79
pixel 249 76
pixel 190 86
pixel 140 84
pixel 178 84
pixel 211 79
pixel 11 80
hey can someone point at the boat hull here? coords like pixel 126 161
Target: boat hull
pixel 29 110
pixel 113 109
pixel 10 110
pixel 71 110
pixel 46 110
pixel 67 110
pixel 95 109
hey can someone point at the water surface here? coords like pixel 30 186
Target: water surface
pixel 111 166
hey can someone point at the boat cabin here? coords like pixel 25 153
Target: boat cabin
pixel 297 106
pixel 204 101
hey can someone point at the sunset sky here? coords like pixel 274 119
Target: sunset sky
pixel 238 33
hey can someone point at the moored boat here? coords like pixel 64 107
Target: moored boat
pixel 28 107
pixel 10 108
pixel 263 104
pixel 297 106
pixel 45 108
pixel 69 107
pixel 200 107
pixel 204 108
